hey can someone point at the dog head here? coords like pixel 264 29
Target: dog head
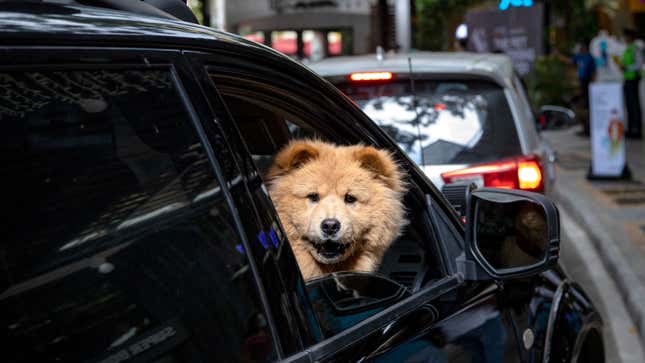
pixel 337 200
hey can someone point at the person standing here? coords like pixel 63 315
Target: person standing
pixel 632 64
pixel 586 67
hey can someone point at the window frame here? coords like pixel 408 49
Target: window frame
pixel 220 127
pixel 229 65
pixel 67 58
pixel 361 331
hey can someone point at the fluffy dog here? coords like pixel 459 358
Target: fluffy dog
pixel 341 206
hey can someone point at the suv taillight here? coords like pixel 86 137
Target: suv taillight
pixel 519 173
pixel 370 76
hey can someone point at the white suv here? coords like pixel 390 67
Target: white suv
pixel 472 121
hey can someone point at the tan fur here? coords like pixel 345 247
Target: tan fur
pixel 368 226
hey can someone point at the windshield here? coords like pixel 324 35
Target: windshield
pixel 455 122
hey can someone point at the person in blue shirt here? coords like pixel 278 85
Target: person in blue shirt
pixel 586 67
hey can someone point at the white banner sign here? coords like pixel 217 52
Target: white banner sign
pixel 607 129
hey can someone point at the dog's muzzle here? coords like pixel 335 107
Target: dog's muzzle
pixel 330 249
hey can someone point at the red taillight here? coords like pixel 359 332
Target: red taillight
pixel 529 175
pixel 522 173
pixel 370 76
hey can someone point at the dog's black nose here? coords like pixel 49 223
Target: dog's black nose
pixel 330 226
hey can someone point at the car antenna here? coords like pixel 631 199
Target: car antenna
pixel 416 110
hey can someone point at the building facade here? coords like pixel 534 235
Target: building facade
pixel 309 29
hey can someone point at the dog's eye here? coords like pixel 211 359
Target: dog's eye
pixel 350 199
pixel 314 197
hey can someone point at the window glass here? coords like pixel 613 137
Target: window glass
pixel 455 122
pixel 120 243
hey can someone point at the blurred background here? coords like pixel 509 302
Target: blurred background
pixel 527 30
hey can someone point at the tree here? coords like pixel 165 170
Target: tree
pixel 198 7
pixel 609 5
pixel 436 19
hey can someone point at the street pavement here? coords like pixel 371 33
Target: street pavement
pixel 583 264
pixel 610 217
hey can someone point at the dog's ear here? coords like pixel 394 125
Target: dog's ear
pixel 381 164
pixel 293 156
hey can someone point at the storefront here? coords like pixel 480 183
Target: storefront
pixel 637 9
pixel 305 29
pixel 513 30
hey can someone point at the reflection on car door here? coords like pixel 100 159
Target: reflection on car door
pixel 123 246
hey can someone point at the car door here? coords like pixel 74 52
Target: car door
pixel 445 318
pixel 122 244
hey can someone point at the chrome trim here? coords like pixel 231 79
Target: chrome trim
pixel 553 314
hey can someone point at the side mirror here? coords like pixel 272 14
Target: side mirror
pixel 512 233
pixel 343 299
pixel 555 117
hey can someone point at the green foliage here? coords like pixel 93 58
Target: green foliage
pixel 580 23
pixel 583 24
pixel 197 7
pixel 434 20
pixel 610 5
pixel 551 82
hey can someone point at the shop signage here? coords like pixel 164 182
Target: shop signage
pixel 506 4
pixel 607 130
pixel 637 6
pixel 517 32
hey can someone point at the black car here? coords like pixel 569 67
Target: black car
pixel 138 227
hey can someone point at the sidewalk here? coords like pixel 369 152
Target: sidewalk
pixel 611 212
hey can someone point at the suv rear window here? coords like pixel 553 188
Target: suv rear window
pixel 455 121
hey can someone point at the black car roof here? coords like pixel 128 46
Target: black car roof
pixel 57 24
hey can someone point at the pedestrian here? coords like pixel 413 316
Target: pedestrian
pixel 632 65
pixel 586 69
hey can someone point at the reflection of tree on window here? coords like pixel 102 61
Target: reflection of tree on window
pixel 415 126
pixel 35 90
pixel 453 122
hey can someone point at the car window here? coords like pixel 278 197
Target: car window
pixel 454 122
pixel 267 122
pixel 120 244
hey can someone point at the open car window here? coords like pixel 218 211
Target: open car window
pixel 268 118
